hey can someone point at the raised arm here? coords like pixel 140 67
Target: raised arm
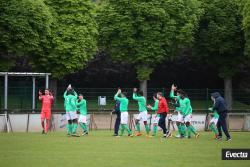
pixel 40 97
pixel 172 96
pixel 138 98
pixel 116 97
pixel 82 102
pixel 65 94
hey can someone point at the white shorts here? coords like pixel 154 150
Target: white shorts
pixel 82 119
pixel 156 119
pixel 71 115
pixel 188 118
pixel 124 117
pixel 143 116
pixel 180 118
pixel 214 120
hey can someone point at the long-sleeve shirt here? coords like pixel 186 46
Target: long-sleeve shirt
pixel 178 99
pixel 162 106
pixel 155 107
pixel 123 102
pixel 220 103
pixel 70 102
pixel 82 105
pixel 186 106
pixel 141 102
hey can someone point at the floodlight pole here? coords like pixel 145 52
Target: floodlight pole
pixel 6 92
pixel 33 93
pixel 47 81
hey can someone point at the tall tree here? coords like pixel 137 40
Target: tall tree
pixel 145 33
pixel 24 29
pixel 73 39
pixel 246 25
pixel 219 40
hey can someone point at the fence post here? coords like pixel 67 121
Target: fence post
pixel 6 93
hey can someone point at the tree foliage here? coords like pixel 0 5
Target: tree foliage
pixel 24 29
pixel 144 32
pixel 73 38
pixel 219 39
pixel 246 25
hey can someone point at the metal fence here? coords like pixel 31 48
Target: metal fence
pixel 30 122
pixel 20 98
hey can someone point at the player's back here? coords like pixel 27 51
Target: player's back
pixel 72 102
pixel 83 107
pixel 124 104
pixel 185 106
pixel 67 103
pixel 142 104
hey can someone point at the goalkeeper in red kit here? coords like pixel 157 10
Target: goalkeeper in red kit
pixel 47 100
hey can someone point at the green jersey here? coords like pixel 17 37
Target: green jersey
pixel 155 107
pixel 123 103
pixel 82 105
pixel 215 114
pixel 186 106
pixel 70 101
pixel 178 99
pixel 66 101
pixel 141 102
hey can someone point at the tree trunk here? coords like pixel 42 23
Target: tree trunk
pixel 228 93
pixel 53 87
pixel 143 87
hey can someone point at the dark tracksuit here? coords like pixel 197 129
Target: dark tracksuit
pixel 163 111
pixel 118 117
pixel 221 107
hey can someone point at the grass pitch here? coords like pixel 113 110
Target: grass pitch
pixel 100 149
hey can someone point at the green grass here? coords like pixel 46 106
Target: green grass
pixel 100 149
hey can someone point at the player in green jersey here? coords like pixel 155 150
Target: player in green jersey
pixel 157 116
pixel 180 117
pixel 82 106
pixel 213 122
pixel 124 111
pixel 70 97
pixel 186 110
pixel 143 113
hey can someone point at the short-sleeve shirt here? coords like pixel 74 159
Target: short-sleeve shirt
pixel 47 101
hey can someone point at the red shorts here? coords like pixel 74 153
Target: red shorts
pixel 45 114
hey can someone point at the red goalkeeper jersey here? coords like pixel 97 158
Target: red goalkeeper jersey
pixel 47 101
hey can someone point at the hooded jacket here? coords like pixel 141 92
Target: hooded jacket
pixel 220 103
